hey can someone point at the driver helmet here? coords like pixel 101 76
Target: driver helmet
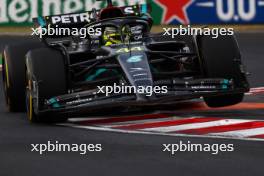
pixel 111 36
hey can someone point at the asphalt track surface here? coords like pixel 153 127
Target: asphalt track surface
pixel 133 154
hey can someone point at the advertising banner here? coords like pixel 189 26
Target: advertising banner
pixel 208 11
pixel 21 12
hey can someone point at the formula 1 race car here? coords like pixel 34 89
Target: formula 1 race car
pixel 69 76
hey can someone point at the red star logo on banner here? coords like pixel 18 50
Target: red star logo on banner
pixel 175 9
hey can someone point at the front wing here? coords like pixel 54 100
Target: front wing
pixel 81 103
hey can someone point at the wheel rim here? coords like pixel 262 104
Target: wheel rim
pixel 29 98
pixel 6 83
pixel 29 107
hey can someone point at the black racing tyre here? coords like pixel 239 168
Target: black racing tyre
pixel 13 74
pixel 45 77
pixel 221 58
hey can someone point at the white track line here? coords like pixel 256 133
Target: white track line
pixel 257 88
pixel 159 134
pixel 241 133
pixel 196 125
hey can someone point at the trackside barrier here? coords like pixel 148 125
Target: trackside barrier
pixel 20 12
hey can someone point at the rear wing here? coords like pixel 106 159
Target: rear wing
pixel 81 19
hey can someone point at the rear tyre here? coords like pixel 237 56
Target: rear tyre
pixel 221 58
pixel 45 77
pixel 13 74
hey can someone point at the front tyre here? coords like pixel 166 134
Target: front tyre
pixel 45 78
pixel 221 58
pixel 13 73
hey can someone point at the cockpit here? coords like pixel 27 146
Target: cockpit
pixel 121 30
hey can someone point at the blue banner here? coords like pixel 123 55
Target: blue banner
pixel 209 11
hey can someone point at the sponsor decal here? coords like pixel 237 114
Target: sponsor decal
pixel 14 12
pixel 78 101
pixel 134 59
pixel 21 12
pixel 172 11
pixel 73 18
pixel 126 50
pixel 208 11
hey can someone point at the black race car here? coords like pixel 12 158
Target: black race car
pixel 64 76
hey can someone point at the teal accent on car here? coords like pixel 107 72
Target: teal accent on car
pixel 41 22
pixel 134 59
pixel 224 86
pixel 226 81
pixel 54 103
pixel 97 73
pixel 153 69
pixel 52 100
pixel 144 8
